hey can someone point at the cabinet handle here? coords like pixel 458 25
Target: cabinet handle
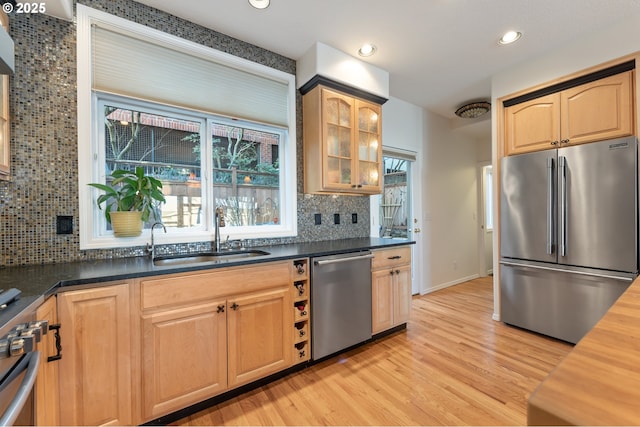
pixel 221 308
pixel 302 354
pixel 302 333
pixel 300 268
pixel 397 271
pixel 56 334
pixel 391 272
pixel 394 257
pixel 359 185
pixel 234 306
pixel 554 142
pixel 564 141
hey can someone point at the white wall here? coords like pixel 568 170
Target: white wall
pixel 608 44
pixel 451 203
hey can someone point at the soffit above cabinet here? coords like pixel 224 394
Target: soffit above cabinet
pixel 62 9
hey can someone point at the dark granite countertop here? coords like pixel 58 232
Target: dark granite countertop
pixel 42 280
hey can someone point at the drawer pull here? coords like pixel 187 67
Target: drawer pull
pixel 220 309
pixel 235 306
pixel 394 257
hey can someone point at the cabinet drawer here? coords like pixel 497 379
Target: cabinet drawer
pixel 391 257
pixel 184 288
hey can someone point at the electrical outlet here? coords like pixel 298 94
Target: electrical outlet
pixel 336 219
pixel 354 218
pixel 64 224
pixel 317 219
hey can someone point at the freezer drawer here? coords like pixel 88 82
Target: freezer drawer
pixel 558 302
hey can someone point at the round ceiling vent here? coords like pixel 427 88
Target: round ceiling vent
pixel 473 110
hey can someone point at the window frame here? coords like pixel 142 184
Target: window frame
pixel 91 155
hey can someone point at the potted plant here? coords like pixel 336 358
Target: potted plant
pixel 129 200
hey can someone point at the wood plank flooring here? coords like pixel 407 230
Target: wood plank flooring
pixel 453 365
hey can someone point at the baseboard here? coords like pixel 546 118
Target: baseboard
pixel 452 283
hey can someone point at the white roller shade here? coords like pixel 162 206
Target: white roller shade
pixel 130 66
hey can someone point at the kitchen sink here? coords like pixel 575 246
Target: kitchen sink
pixel 204 257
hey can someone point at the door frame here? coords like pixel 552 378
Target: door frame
pixel 482 232
pixel 414 190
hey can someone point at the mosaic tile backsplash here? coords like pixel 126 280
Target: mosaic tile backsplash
pixel 44 157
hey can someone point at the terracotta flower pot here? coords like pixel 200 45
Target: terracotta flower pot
pixel 126 223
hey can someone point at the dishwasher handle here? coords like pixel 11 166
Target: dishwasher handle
pixel 339 260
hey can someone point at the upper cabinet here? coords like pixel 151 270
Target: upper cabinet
pixel 342 143
pixel 602 109
pixel 4 114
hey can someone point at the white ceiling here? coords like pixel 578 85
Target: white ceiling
pixel 439 53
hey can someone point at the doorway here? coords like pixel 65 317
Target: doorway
pixel 396 212
pixel 486 219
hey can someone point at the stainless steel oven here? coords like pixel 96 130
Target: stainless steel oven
pixel 19 358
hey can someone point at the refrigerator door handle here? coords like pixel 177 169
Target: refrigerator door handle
pixel 582 273
pixel 562 222
pixel 550 205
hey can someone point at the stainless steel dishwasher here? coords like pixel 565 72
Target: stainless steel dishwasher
pixel 340 301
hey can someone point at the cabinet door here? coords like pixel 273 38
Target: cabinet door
pixel 95 370
pixel 183 357
pixel 260 342
pixel 369 151
pixel 401 294
pixel 598 110
pixel 47 396
pixel 382 300
pixel 337 132
pixel 532 125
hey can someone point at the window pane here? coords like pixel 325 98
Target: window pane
pixel 246 174
pixel 394 206
pixel 168 148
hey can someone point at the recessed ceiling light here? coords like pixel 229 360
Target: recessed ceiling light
pixel 259 4
pixel 510 37
pixel 367 50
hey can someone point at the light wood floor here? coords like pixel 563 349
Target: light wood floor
pixel 453 365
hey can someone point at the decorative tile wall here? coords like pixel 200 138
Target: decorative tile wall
pixel 44 157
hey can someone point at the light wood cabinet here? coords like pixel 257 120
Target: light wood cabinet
pixel 95 370
pixel 184 356
pixel 391 288
pixel 46 388
pixel 258 335
pixel 301 312
pixel 594 111
pixel 342 143
pixel 5 154
pixel 204 333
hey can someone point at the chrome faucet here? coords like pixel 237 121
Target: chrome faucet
pixel 218 222
pixel 151 248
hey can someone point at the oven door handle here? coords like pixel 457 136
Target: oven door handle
pixel 13 410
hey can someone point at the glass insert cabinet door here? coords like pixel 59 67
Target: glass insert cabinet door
pixel 338 113
pixel 368 165
pixel 352 143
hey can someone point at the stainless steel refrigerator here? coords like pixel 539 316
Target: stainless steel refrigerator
pixel 568 235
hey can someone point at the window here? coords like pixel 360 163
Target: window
pixel 233 148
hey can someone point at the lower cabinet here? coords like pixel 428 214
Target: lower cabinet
pixel 259 335
pixel 46 388
pixel 204 333
pixel 183 356
pixel 95 369
pixel 391 288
